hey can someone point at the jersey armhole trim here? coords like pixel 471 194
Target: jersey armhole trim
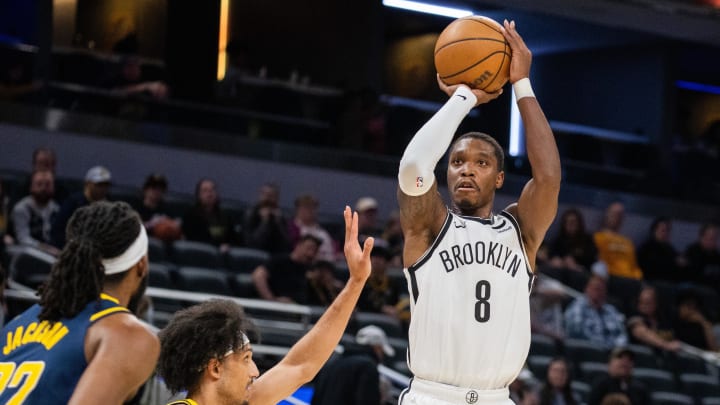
pixel 516 225
pixel 428 254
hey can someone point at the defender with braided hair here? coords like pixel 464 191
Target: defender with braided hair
pixel 81 344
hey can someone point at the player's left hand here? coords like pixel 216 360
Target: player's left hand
pixel 481 96
pixel 358 259
pixel 521 55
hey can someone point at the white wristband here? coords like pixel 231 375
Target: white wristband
pixel 523 88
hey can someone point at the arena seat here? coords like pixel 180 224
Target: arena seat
pixel 242 285
pixel 244 259
pixel 203 280
pixel 543 345
pixel 387 323
pixel 30 267
pixel 195 254
pixel 156 250
pixel 591 370
pixel 538 364
pixel 670 398
pixel 583 350
pixel 655 378
pixel 700 385
pixel 644 356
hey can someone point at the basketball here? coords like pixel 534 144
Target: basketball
pixel 473 51
pixel 166 229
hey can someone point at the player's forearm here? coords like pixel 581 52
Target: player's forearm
pixel 416 174
pixel 540 142
pixel 313 350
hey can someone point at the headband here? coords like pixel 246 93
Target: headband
pixel 137 250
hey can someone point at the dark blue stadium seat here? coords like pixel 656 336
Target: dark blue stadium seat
pixel 700 385
pixel 205 280
pixel 656 378
pixel 670 398
pixel 244 259
pixel 195 254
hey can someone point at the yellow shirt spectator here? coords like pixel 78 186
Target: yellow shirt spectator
pixel 618 253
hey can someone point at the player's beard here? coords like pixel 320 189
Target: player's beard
pixel 138 295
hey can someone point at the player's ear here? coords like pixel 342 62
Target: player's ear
pixel 500 179
pixel 213 368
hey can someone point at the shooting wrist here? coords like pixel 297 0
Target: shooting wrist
pixel 523 89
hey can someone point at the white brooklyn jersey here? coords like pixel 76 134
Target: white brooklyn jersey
pixel 470 323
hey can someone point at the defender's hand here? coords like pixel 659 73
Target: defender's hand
pixel 358 259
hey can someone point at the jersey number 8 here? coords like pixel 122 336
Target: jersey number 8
pixel 482 306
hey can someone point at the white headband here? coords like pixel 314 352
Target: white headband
pixel 132 255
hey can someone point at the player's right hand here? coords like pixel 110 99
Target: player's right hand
pixel 481 96
pixel 358 259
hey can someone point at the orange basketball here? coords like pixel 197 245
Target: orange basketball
pixel 166 230
pixel 472 50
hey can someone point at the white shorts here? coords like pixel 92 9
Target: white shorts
pixel 424 392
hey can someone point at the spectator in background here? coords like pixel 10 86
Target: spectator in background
pixel 130 81
pixel 305 221
pixel 3 256
pixel 322 285
pixel 546 308
pixel 265 225
pixel 619 380
pixel 573 248
pixel 4 215
pixel 240 64
pixel 615 250
pixel 616 398
pixel 392 233
pixel 691 326
pixel 656 256
pixel 367 208
pixel 590 317
pixel 96 188
pixel 44 159
pixel 380 294
pixel 523 389
pixel 34 214
pixel 703 257
pixel 206 222
pixel 353 378
pixel 3 284
pixel 647 326
pixel 284 277
pixel 16 81
pixel 153 212
pixel 556 389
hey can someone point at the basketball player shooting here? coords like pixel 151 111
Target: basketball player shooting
pixel 469 269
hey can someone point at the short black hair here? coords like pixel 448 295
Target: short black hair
pixel 194 336
pixel 155 180
pixel 499 153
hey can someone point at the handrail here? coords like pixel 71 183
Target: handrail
pixel 303 310
pixel 193 106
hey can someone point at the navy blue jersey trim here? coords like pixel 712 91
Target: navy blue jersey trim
pixel 529 271
pixel 500 225
pixel 484 221
pixel 404 392
pixel 411 269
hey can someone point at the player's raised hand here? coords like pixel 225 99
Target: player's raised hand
pixel 481 96
pixel 358 259
pixel 521 55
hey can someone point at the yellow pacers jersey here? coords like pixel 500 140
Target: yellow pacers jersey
pixel 470 322
pixel 41 362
